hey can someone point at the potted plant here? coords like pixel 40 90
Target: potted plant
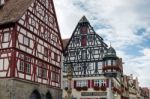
pixel 66 88
pixel 103 88
pixel 114 89
pixel 84 88
pixel 78 88
pixel 96 88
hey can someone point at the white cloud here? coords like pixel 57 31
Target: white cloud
pixel 146 52
pixel 137 65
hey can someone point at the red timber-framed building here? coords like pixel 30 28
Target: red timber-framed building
pixel 96 69
pixel 30 50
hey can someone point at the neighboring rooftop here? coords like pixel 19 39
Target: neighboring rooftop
pixel 65 42
pixel 12 10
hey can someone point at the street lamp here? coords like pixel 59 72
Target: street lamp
pixel 69 77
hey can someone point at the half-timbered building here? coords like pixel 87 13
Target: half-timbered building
pixel 96 70
pixel 30 50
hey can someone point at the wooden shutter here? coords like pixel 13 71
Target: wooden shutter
pixel 88 83
pixel 107 82
pixel 74 84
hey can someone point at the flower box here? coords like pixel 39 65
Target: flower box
pixel 78 88
pixel 84 88
pixel 96 88
pixel 103 88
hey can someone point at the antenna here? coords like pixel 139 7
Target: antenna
pixel 110 44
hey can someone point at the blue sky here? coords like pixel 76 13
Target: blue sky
pixel 124 23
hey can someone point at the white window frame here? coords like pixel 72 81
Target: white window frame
pixel 103 82
pixel 82 83
pixel 5 37
pixel 28 64
pixel 26 41
pixel 21 66
pixel 42 70
pixel 109 62
pixel 114 62
pixel 97 82
pixel 65 84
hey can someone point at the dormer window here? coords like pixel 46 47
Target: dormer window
pixel 2 2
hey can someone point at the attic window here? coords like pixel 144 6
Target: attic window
pixel 2 2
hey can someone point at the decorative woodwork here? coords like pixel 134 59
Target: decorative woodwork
pixel 84 51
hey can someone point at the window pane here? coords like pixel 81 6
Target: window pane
pixel 21 67
pixel 109 62
pixel 5 37
pixel 45 51
pixel 114 62
pixel 26 41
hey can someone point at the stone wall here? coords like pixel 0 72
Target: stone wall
pixel 20 89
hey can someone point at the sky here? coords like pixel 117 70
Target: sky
pixel 124 23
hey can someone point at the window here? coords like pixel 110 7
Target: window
pixel 28 64
pixel 21 67
pixel 83 30
pixel 84 54
pixel 109 62
pixel 42 70
pixel 65 84
pixel 90 38
pixel 77 68
pixel 114 62
pixel 83 42
pixel 25 64
pixel 46 18
pixel 33 22
pixel 77 40
pixel 41 49
pixel 54 38
pixel 2 2
pixel 100 65
pixel 82 83
pixel 103 82
pixel 45 51
pixel 72 53
pixel 6 37
pixel 53 76
pixel 26 41
pixel 55 56
pixel 99 82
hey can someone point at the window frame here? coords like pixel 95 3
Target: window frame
pixel 25 64
pixel 46 52
pixel 42 70
pixel 26 43
pixel 82 83
pixel 55 57
pixel 5 39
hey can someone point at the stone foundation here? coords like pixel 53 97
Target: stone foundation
pixel 20 89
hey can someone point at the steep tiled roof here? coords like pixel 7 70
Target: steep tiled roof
pixel 65 42
pixel 13 10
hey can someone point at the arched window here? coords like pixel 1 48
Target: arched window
pixel 35 95
pixel 48 95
